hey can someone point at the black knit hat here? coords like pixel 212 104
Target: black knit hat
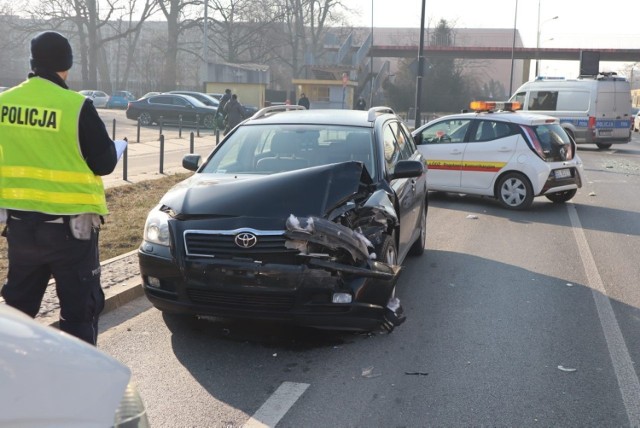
pixel 51 51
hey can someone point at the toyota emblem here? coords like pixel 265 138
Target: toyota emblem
pixel 246 240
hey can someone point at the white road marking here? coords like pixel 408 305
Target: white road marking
pixel 270 413
pixel 620 358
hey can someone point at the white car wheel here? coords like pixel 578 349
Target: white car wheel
pixel 514 191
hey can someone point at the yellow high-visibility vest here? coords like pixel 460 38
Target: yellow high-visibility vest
pixel 41 165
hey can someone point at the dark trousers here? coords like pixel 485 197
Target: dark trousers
pixel 39 250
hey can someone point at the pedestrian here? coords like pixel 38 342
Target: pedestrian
pixel 220 113
pixel 304 101
pixel 234 113
pixel 53 149
pixel 361 104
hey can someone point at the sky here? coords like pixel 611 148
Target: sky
pixel 579 23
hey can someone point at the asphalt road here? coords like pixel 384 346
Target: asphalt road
pixel 513 319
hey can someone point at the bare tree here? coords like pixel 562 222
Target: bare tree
pixel 129 20
pixel 89 21
pixel 305 26
pixel 176 12
pixel 243 30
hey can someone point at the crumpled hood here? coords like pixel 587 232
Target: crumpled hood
pixel 305 192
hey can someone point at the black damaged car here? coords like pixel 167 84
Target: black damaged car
pixel 297 215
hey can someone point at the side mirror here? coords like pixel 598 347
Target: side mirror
pixel 408 169
pixel 191 162
pixel 418 139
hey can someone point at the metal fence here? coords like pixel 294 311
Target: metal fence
pixel 161 139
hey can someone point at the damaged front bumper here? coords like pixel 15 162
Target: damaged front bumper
pixel 331 282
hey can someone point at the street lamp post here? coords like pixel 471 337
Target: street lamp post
pixel 371 61
pixel 513 48
pixel 205 46
pixel 418 120
pixel 538 39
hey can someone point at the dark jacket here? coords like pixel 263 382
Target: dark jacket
pixel 223 102
pixel 234 112
pixel 304 102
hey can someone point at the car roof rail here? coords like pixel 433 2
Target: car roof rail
pixel 267 111
pixel 376 111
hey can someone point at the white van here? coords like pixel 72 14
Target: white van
pixel 592 109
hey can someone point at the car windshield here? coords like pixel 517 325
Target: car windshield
pixel 267 149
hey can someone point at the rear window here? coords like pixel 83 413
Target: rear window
pixel 554 141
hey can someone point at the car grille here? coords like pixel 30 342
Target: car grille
pixel 269 248
pixel 230 300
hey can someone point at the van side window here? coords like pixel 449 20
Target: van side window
pixel 543 100
pixel 573 101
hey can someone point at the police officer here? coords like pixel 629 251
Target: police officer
pixel 53 148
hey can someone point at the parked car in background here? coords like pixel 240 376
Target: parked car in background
pixel 100 98
pixel 249 110
pixel 168 108
pixel 302 216
pixel 205 99
pixel 148 94
pixel 52 379
pixel 120 99
pixel 635 120
pixel 215 95
pixel 512 156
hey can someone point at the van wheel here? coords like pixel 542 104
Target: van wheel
pixel 603 146
pixel 514 191
pixel 561 197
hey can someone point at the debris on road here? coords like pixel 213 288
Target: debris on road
pixel 368 373
pixel 566 369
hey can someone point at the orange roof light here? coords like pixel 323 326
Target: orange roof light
pixel 494 105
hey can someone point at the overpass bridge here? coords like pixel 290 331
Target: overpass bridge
pixel 479 52
pixel 357 59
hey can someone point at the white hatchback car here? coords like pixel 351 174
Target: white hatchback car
pixel 99 98
pixel 499 152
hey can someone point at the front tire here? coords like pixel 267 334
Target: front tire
pixel 561 197
pixel 387 252
pixel 514 191
pixel 394 314
pixel 145 118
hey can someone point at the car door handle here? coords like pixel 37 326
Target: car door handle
pixel 456 152
pixel 504 149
